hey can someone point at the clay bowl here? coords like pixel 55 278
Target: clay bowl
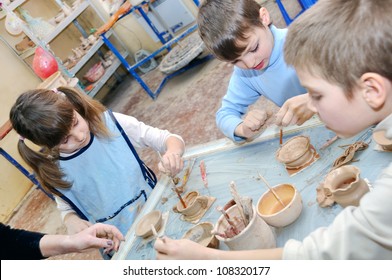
pixel 295 152
pixel 143 228
pixel 95 72
pixel 380 139
pixel 273 212
pixel 201 234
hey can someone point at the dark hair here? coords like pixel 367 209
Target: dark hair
pixel 45 118
pixel 224 24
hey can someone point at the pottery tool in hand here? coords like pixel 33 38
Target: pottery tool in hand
pixel 272 190
pixel 179 196
pixel 171 177
pixel 186 174
pixel 281 136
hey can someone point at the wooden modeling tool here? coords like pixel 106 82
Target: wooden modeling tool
pixel 154 231
pixel 281 136
pixel 203 173
pixel 228 220
pixel 179 196
pixel 171 177
pixel 272 190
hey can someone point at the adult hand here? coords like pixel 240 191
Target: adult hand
pixel 96 236
pixel 182 249
pixel 251 126
pixel 75 224
pixel 294 111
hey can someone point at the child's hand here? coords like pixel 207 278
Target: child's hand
pixel 294 111
pixel 171 163
pixel 75 224
pixel 183 249
pixel 251 126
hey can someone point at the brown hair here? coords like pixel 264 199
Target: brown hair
pixel 224 24
pixel 45 118
pixel 340 40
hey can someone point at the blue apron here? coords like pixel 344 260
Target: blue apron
pixel 109 181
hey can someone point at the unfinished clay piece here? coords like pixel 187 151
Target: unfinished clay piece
pixel 196 206
pixel 273 212
pixel 143 228
pixel 256 235
pixel 384 142
pixel 345 186
pixel 201 234
pixel 296 152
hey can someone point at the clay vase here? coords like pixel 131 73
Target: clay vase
pixel 195 205
pixel 345 186
pixel 295 153
pixel 273 212
pixel 44 64
pixel 256 235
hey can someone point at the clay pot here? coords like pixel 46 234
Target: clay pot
pixel 295 153
pixel 256 235
pixel 273 212
pixel 201 234
pixel 143 228
pixel 195 205
pixel 345 185
pixel 380 139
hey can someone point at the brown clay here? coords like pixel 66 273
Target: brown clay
pixel 296 152
pixel 380 139
pixel 143 228
pixel 201 234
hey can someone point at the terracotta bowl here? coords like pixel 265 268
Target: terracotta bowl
pixel 380 139
pixel 143 228
pixel 273 212
pixel 295 152
pixel 201 234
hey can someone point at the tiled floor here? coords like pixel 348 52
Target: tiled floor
pixel 186 106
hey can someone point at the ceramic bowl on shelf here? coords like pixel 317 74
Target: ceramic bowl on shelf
pixel 143 228
pixel 273 212
pixel 95 72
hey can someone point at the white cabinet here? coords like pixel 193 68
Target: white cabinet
pixel 65 38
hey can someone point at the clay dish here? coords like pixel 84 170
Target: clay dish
pixel 384 142
pixel 295 152
pixel 143 228
pixel 201 234
pixel 273 212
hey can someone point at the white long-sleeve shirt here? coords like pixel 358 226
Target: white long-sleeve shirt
pixel 363 232
pixel 141 136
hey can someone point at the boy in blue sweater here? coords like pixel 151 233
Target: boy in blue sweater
pixel 240 32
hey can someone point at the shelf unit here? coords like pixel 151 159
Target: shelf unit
pixel 72 18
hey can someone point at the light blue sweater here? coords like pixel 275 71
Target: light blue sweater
pixel 277 82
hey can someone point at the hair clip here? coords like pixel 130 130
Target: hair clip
pixel 21 138
pixel 55 90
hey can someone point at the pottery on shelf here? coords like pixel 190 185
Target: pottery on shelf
pixel 44 64
pixel 256 235
pixel 143 228
pixel 380 138
pixel 295 153
pixel 201 234
pixel 273 212
pixel 345 185
pixel 95 72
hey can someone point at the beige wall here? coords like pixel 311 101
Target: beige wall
pixel 15 77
